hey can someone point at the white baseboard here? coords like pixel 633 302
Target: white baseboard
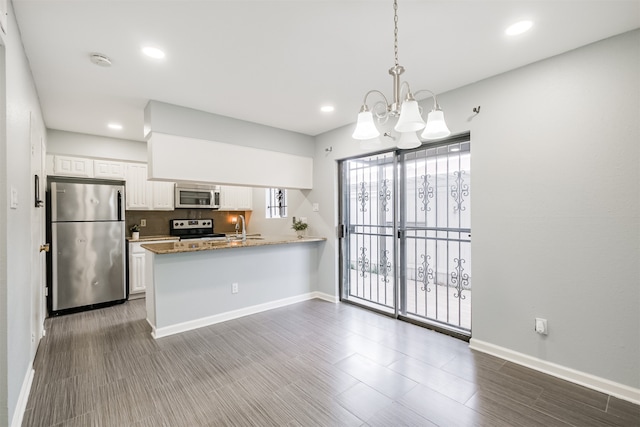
pixel 23 398
pixel 325 297
pixel 235 314
pixel 603 385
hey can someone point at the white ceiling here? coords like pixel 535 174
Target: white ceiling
pixel 277 62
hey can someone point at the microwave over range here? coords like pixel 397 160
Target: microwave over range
pixel 197 197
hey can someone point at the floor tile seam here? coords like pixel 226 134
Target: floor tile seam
pixel 382 392
pixel 531 407
pixel 546 412
pixel 555 383
pixel 551 394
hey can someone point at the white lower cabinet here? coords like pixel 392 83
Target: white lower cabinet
pixel 137 275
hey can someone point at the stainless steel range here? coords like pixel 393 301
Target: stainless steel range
pixel 200 229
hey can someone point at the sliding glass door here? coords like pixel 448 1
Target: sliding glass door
pixel 368 247
pixel 435 235
pixel 406 247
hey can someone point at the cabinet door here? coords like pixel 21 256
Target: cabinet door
pixel 73 166
pixel 236 198
pixel 108 169
pixel 163 195
pixel 136 273
pixel 138 188
pixel 228 198
pixel 245 198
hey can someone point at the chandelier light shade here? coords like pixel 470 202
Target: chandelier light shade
pixel 410 119
pixel 436 126
pixel 409 140
pixel 405 108
pixel 365 128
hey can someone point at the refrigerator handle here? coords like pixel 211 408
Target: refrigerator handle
pixel 119 205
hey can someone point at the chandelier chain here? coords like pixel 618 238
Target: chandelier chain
pixel 395 30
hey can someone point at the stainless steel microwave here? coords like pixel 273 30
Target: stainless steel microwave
pixel 197 197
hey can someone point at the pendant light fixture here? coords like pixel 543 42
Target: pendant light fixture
pixel 405 108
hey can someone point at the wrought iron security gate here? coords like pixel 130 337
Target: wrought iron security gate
pixel 368 202
pixel 435 230
pixel 409 256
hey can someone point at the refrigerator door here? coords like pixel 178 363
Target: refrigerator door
pixel 88 263
pixel 86 202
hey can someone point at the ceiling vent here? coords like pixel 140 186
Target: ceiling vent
pixel 100 59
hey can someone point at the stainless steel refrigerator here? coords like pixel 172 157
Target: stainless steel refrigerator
pixel 87 232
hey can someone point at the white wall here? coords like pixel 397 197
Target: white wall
pixel 555 206
pixel 83 145
pixel 22 107
pixel 3 241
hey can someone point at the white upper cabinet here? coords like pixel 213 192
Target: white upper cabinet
pixel 147 195
pixel 141 194
pixel 108 169
pixel 73 166
pixel 163 194
pixel 138 188
pixel 236 198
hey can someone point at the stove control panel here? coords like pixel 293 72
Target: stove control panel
pixel 185 224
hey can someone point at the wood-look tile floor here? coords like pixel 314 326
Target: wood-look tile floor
pixel 308 364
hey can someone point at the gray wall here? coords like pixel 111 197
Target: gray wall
pixel 175 120
pixel 22 112
pixel 555 206
pixel 82 145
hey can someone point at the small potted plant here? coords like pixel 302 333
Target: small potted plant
pixel 135 231
pixel 299 227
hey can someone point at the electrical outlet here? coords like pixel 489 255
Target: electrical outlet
pixel 234 288
pixel 541 326
pixel 316 207
pixel 303 219
pixel 143 223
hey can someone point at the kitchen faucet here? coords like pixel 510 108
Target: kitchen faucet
pixel 244 228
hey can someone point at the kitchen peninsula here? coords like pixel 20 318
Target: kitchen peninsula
pixel 192 284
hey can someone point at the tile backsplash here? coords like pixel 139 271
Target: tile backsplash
pixel 158 221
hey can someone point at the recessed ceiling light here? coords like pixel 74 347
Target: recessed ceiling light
pixel 114 126
pixel 327 108
pixel 100 59
pixel 153 52
pixel 518 28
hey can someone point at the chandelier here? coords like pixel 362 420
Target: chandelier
pixel 405 108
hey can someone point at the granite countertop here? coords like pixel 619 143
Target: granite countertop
pixel 152 238
pixel 195 246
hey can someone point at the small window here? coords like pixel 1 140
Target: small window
pixel 276 202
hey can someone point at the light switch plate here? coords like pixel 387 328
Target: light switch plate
pixel 14 198
pixel 316 207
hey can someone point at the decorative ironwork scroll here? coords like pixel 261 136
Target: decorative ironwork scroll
pixel 459 190
pixel 425 192
pixel 385 265
pixel 459 278
pixel 363 197
pixel 425 272
pixel 384 194
pixel 363 262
